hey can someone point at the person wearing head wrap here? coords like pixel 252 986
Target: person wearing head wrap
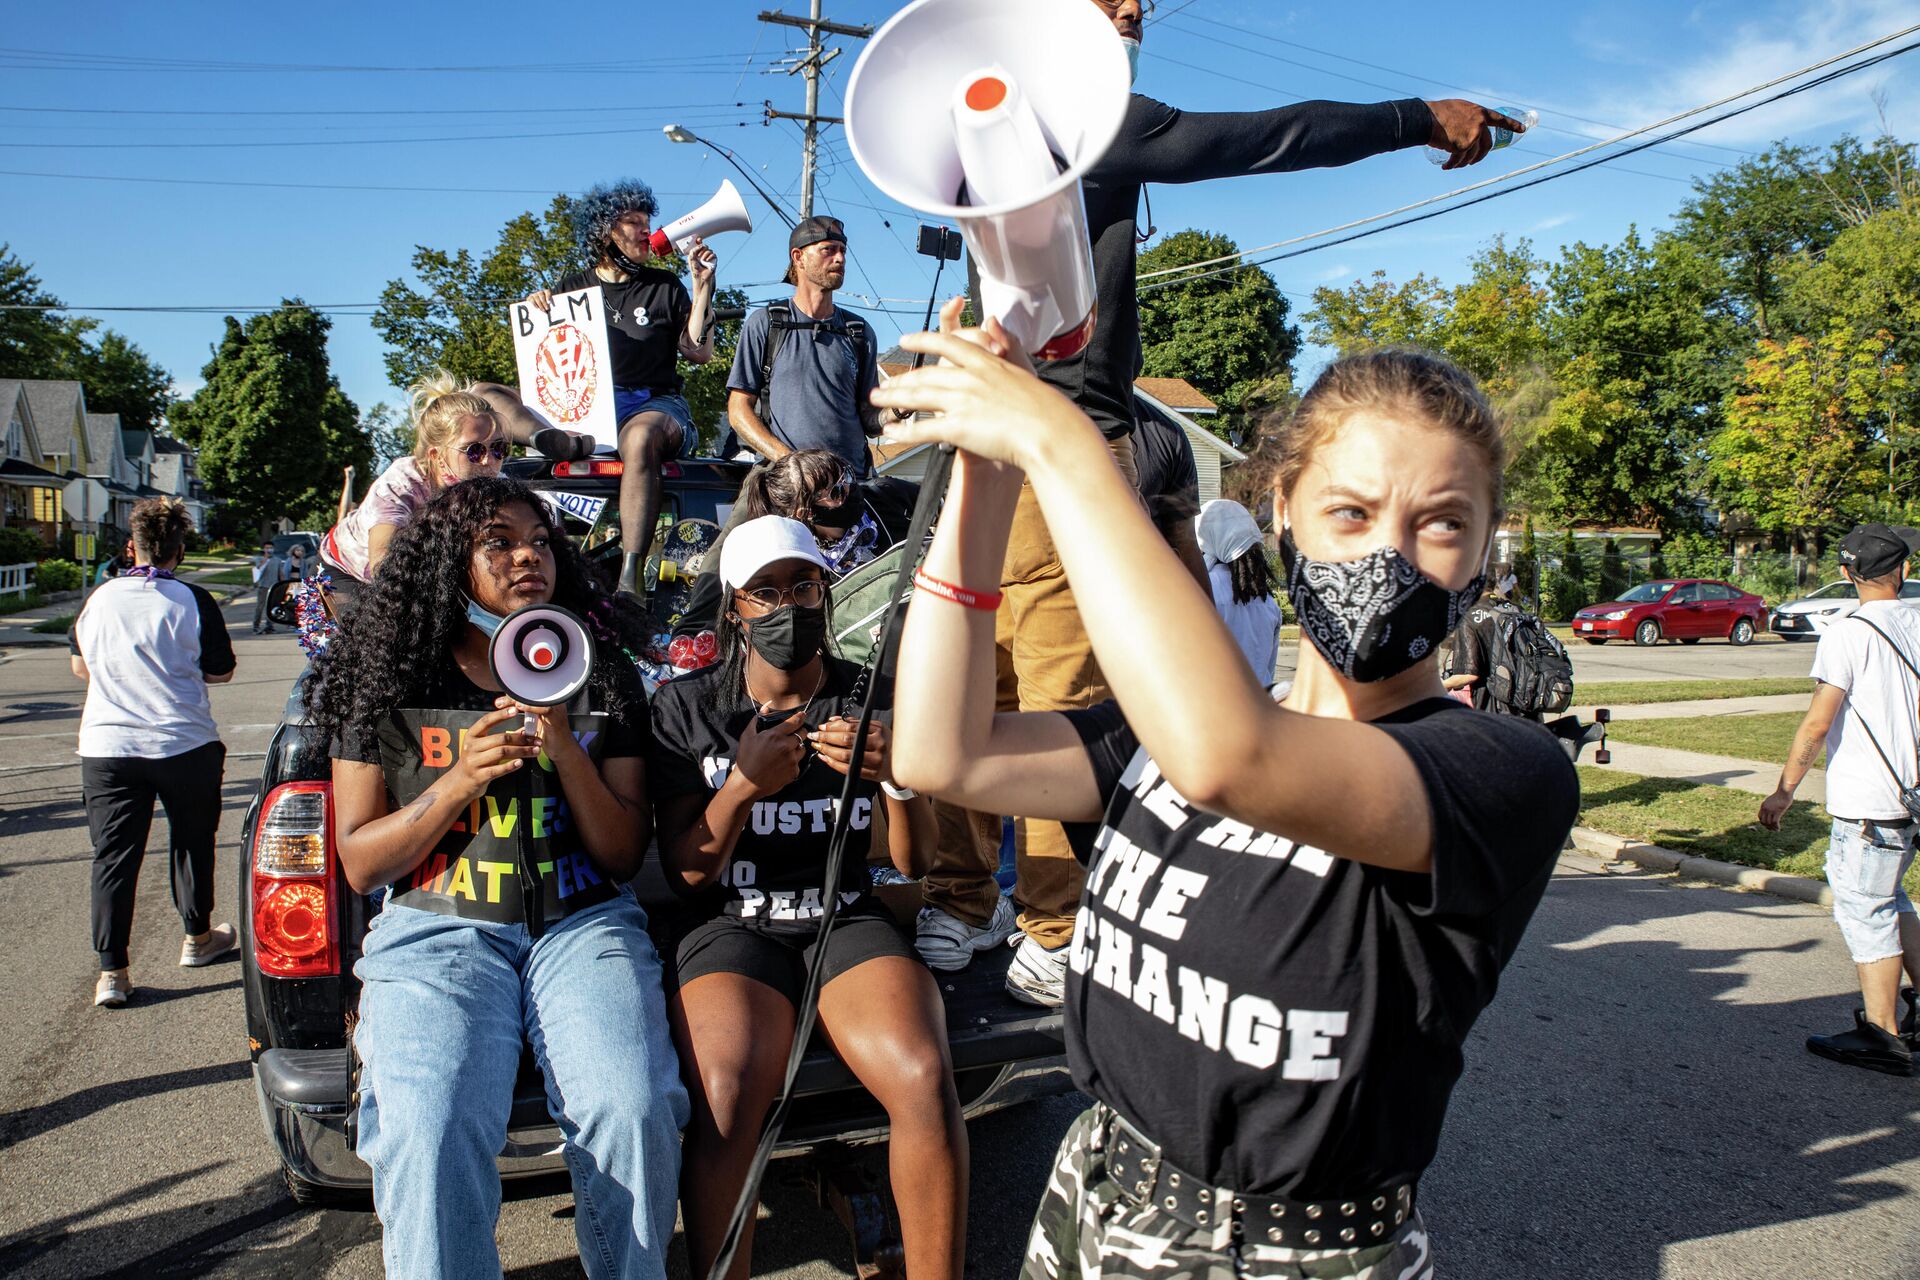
pixel 1242 582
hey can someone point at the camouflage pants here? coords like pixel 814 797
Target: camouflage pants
pixel 1086 1229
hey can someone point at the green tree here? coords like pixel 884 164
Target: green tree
pixel 389 432
pixel 34 339
pixel 271 425
pixel 1228 334
pixel 1376 312
pixel 1642 367
pixel 1806 429
pixel 119 378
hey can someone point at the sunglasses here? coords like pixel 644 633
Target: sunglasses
pixel 808 593
pixel 1113 6
pixel 477 452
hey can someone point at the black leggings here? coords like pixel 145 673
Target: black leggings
pixel 119 793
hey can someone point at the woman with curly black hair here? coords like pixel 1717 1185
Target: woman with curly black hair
pixel 652 321
pixel 503 859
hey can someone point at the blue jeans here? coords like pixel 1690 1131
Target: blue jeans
pixel 628 403
pixel 1865 863
pixel 445 1006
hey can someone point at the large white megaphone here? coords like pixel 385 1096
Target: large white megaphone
pixel 988 112
pixel 541 655
pixel 725 212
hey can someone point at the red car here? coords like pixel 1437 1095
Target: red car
pixel 1683 609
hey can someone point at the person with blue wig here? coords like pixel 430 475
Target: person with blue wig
pixel 653 321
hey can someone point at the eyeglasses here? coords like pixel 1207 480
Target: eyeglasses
pixel 478 452
pixel 808 593
pixel 834 495
pixel 1113 6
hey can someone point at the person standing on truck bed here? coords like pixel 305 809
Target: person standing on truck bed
pixel 750 759
pixel 503 859
pixel 653 322
pixel 1049 664
pixel 804 366
pixel 148 645
pixel 1295 909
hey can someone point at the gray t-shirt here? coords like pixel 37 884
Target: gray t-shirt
pixel 818 388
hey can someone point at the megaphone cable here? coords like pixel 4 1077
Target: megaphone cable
pixel 932 492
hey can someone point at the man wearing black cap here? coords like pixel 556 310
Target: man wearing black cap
pixel 1863 714
pixel 804 367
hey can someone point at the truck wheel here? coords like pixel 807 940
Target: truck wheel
pixel 1742 632
pixel 1647 633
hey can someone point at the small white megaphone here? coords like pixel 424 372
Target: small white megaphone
pixel 542 656
pixel 725 212
pixel 988 113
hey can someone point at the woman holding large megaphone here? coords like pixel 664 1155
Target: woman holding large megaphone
pixel 503 859
pixel 1295 908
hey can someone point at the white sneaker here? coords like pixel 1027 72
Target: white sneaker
pixel 1038 975
pixel 948 944
pixel 220 940
pixel 112 989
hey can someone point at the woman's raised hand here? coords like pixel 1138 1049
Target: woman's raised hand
pixel 540 299
pixel 984 396
pixel 488 755
pixel 769 759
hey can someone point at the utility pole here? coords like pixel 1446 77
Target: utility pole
pixel 816 59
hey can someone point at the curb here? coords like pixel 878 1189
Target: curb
pixel 1655 858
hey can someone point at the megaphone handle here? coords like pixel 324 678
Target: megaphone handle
pixel 530 725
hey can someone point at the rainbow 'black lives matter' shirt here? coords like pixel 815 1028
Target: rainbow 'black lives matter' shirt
pixel 520 829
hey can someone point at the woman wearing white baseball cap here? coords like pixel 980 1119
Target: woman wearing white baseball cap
pixel 750 758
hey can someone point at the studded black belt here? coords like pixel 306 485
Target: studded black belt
pixel 1135 1165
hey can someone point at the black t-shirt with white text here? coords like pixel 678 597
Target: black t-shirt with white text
pixel 1288 1023
pixel 646 314
pixel 774 878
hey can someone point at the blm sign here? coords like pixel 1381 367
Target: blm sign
pixel 566 372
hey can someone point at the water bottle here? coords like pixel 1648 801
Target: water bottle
pixel 1501 137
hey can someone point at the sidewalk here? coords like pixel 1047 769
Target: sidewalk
pixel 16 629
pixel 1754 776
pixel 1705 707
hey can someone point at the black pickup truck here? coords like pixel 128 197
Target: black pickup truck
pixel 301 930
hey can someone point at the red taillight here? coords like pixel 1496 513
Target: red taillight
pixel 588 467
pixel 295 920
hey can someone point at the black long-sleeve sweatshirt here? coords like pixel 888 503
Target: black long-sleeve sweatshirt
pixel 1159 143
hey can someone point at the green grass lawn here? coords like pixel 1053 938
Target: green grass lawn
pixel 1764 736
pixel 19 602
pixel 54 626
pixel 241 576
pixel 1712 822
pixel 1623 693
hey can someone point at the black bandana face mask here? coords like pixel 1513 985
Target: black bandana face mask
pixel 788 638
pixel 1374 617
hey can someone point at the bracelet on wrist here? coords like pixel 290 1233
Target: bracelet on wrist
pixel 985 601
pixel 898 793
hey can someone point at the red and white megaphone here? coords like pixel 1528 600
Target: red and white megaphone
pixel 988 113
pixel 725 212
pixel 542 656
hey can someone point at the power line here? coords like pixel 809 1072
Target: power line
pixel 1608 142
pixel 323 142
pixel 360 111
pixel 1815 83
pixel 1413 75
pixel 58 60
pixel 314 186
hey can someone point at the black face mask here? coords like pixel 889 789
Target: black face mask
pixel 621 260
pixel 1374 617
pixel 789 637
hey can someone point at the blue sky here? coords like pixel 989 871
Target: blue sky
pixel 540 102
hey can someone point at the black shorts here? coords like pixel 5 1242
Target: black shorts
pixel 779 959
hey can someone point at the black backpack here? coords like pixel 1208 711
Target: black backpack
pixel 1529 672
pixel 780 323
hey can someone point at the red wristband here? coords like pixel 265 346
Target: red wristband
pixel 986 601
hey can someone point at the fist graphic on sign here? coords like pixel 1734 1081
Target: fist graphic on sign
pixel 566 374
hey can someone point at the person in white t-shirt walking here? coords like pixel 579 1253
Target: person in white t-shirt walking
pixel 1864 713
pixel 148 645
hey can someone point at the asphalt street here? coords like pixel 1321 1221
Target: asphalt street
pixel 1636 1103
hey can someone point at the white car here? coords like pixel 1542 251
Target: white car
pixel 1808 617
